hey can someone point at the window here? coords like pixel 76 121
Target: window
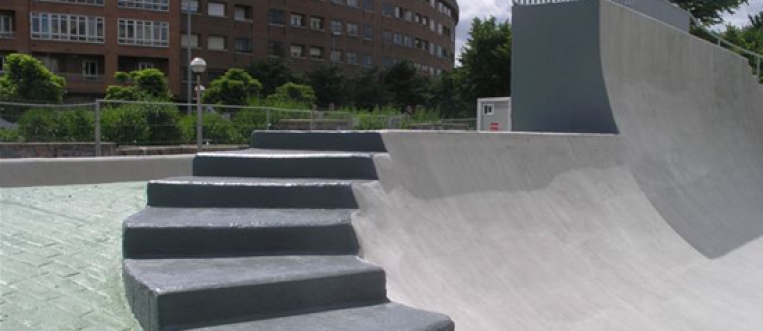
pixel 368 5
pixel 387 36
pixel 352 29
pixel 337 27
pixel 277 17
pixel 398 38
pixel 487 110
pixel 194 40
pixel 297 20
pixel 243 13
pixel 388 10
pixel 316 53
pixel 156 5
pixel 77 28
pixel 6 26
pixel 79 2
pixel 336 56
pixel 316 23
pixel 2 63
pixel 243 45
pixel 368 32
pixel 338 2
pixel 368 61
pixel 145 65
pixel 353 3
pixel 297 51
pixel 276 49
pixel 352 58
pixel 49 62
pixel 144 33
pixel 216 9
pixel 407 41
pixel 190 5
pixel 216 43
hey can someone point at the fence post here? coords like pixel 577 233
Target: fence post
pixel 98 151
pixel 759 67
pixel 267 119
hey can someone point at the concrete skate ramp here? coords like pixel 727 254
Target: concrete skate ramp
pixel 657 228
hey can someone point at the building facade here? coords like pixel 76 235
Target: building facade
pixel 86 41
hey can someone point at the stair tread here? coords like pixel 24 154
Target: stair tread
pixel 160 217
pixel 286 153
pixel 382 317
pixel 183 275
pixel 255 181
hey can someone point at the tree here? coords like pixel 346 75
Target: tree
pixel 294 92
pixel 368 91
pixel 709 12
pixel 141 85
pixel 236 87
pixel 330 86
pixel 486 61
pixel 405 86
pixel 273 73
pixel 448 95
pixel 756 21
pixel 27 79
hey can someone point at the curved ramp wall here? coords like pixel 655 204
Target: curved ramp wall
pixel 657 228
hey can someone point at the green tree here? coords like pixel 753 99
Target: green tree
pixel 486 61
pixel 294 92
pixel 368 91
pixel 449 98
pixel 756 21
pixel 236 87
pixel 273 73
pixel 330 86
pixel 140 85
pixel 406 87
pixel 709 12
pixel 27 79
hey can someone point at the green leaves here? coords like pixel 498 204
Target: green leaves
pixel 236 87
pixel 142 85
pixel 710 11
pixel 27 79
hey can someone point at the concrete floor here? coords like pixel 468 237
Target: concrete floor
pixel 60 256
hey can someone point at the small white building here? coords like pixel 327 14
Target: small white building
pixel 494 114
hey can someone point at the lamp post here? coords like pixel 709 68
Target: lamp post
pixel 198 65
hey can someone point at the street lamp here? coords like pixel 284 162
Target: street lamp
pixel 198 65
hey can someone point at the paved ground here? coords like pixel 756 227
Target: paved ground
pixel 60 255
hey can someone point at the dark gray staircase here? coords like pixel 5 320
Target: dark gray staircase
pixel 262 240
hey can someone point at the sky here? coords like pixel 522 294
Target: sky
pixel 502 10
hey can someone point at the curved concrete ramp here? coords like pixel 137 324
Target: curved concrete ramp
pixel 657 228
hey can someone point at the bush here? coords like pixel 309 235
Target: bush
pixel 125 125
pixel 217 130
pixel 163 121
pixel 9 135
pixel 76 125
pixel 248 120
pixel 39 124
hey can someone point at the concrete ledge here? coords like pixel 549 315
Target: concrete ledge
pixel 69 171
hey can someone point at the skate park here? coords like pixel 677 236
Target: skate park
pixel 628 199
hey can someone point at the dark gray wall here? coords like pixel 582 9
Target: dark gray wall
pixel 557 79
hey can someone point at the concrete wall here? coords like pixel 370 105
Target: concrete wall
pixel 556 53
pixel 45 172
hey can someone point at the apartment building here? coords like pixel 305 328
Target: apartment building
pixel 86 41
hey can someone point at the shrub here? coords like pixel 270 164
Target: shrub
pixel 125 125
pixel 217 130
pixel 290 91
pixel 76 125
pixel 163 121
pixel 9 135
pixel 39 124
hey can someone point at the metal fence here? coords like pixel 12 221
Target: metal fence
pixel 131 123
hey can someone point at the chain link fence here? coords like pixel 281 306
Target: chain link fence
pixel 128 123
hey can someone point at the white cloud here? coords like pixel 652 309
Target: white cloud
pixel 502 10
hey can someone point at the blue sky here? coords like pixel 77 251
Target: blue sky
pixel 502 10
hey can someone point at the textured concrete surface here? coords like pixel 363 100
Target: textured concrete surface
pixel 60 257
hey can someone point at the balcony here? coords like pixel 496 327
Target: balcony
pixel 80 78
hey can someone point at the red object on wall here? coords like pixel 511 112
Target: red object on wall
pixel 495 126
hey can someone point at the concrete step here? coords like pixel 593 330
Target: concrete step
pixel 174 292
pixel 286 164
pixel 196 232
pixel 384 317
pixel 241 192
pixel 357 141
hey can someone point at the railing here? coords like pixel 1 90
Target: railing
pixel 670 13
pixel 77 77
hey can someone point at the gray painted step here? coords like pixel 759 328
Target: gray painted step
pixel 174 292
pixel 358 141
pixel 385 317
pixel 286 164
pixel 195 232
pixel 240 192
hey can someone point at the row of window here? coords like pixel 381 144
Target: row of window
pixel 218 43
pixel 155 5
pixel 400 39
pixel 6 26
pixel 91 29
pixel 368 5
pixel 410 16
